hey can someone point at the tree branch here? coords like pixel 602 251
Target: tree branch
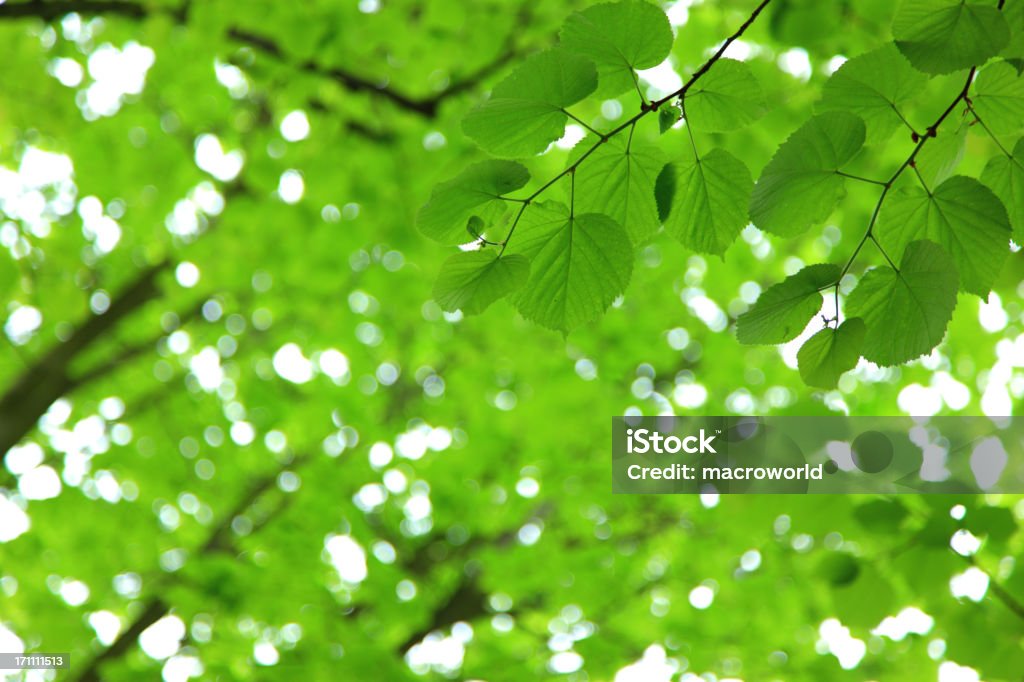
pixel 48 11
pixel 28 398
pixel 426 106
pixel 423 106
pixel 218 540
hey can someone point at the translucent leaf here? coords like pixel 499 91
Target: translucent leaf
pixel 783 310
pixel 620 184
pixel 452 203
pixel 727 97
pixel 526 111
pixel 906 313
pixel 710 199
pixel 962 215
pixel 619 37
pixel 667 117
pixel 1005 175
pixel 941 36
pixel 1014 13
pixel 665 191
pixel 941 155
pixel 875 86
pixel 999 98
pixel 828 354
pixel 839 568
pixel 472 280
pixel 578 265
pixel 800 185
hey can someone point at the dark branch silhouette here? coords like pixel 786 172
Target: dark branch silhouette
pixel 50 377
pixel 426 106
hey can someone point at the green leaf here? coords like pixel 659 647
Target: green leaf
pixel 783 311
pixel 963 216
pixel 445 217
pixel 828 354
pixel 472 280
pixel 711 195
pixel 839 568
pixel 999 98
pixel 881 516
pixel 941 36
pixel 997 523
pixel 620 184
pixel 667 117
pixel 875 86
pixel 665 191
pixel 800 185
pixel 619 37
pixel 941 156
pixel 1014 13
pixel 579 264
pixel 526 111
pixel 906 313
pixel 1005 176
pixel 727 97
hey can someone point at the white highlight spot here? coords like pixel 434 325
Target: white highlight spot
pixel 163 638
pixel 291 186
pixel 971 584
pixel 187 274
pixel 41 483
pixel 22 324
pixel 211 157
pixel 291 365
pixel 13 521
pixel 347 557
pixel 295 126
pixel 701 597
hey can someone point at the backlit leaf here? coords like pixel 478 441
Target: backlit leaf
pixel 782 311
pixel 963 216
pixel 828 354
pixel 906 313
pixel 620 184
pixel 526 111
pixel 710 199
pixel 1005 175
pixel 876 86
pixel 999 98
pixel 940 36
pixel 579 264
pixel 445 217
pixel 727 97
pixel 800 185
pixel 619 38
pixel 472 280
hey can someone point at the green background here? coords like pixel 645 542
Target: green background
pixel 215 502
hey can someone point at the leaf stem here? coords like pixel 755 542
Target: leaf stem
pixel 903 118
pixel 689 133
pixel 861 178
pixel 889 260
pixel 1004 150
pixel 639 90
pixel 572 195
pixel 580 121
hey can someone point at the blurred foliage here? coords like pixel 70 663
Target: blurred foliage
pixel 247 391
